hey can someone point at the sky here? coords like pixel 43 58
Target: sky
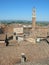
pixel 22 9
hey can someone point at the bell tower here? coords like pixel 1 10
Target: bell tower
pixel 33 18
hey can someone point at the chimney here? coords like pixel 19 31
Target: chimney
pixel 23 58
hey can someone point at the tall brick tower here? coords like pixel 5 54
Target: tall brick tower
pixel 33 18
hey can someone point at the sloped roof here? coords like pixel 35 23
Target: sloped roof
pixel 2 37
pixel 1 31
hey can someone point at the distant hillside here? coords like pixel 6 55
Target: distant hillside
pixel 24 22
pixel 17 21
pixel 42 23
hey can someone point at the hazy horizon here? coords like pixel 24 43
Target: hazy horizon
pixel 20 21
